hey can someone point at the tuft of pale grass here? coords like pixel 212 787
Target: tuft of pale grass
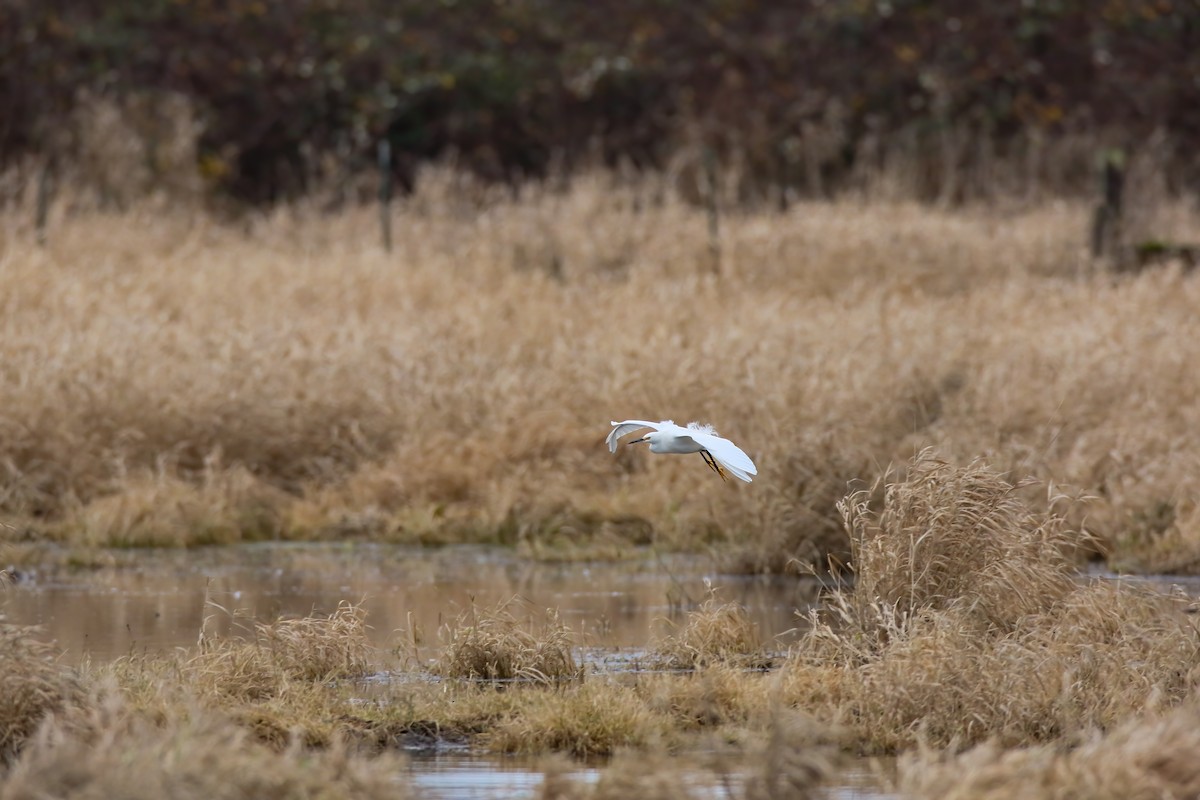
pixel 593 718
pixel 112 752
pixel 1142 759
pixel 949 537
pixel 719 695
pixel 320 648
pixel 34 686
pixel 492 644
pixel 920 653
pixel 714 633
pixel 1161 536
pixel 316 649
pixel 283 680
pixel 945 683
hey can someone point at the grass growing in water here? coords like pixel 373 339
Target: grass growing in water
pixel 109 751
pixel 34 686
pixel 715 633
pixel 491 644
pixel 964 625
pixel 305 650
pixel 1141 759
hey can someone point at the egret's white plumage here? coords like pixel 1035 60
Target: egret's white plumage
pixel 667 437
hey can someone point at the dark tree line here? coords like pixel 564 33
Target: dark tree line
pixel 515 86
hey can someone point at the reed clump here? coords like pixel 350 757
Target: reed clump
pixel 113 752
pixel 283 680
pixel 1143 758
pixel 718 696
pixel 34 686
pixel 319 648
pixel 795 760
pixel 653 775
pixel 492 644
pixel 949 537
pixel 594 718
pixel 278 657
pixel 964 625
pixel 714 633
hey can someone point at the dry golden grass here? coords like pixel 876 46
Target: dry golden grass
pixel 111 752
pixel 171 379
pixel 34 686
pixel 306 650
pixel 929 664
pixel 289 679
pixel 714 633
pixel 719 696
pixel 588 719
pixel 492 644
pixel 221 507
pixel 950 537
pixel 1143 759
pixel 653 776
pixel 797 757
pixel 950 644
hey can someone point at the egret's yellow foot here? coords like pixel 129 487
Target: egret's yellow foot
pixel 712 462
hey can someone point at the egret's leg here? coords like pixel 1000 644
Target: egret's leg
pixel 712 462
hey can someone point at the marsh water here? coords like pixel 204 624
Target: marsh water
pixel 150 600
pixel 471 776
pixel 139 601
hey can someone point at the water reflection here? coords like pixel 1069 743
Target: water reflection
pixel 154 599
pixel 471 776
pixel 464 775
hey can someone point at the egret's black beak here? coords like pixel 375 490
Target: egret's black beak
pixel 637 441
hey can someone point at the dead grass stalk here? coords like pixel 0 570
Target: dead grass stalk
pixel 491 644
pixel 1141 759
pixel 965 626
pixel 714 633
pixel 114 753
pixel 34 686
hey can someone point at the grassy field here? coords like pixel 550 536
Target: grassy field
pixel 171 379
pixel 955 403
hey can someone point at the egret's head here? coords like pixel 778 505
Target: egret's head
pixel 648 436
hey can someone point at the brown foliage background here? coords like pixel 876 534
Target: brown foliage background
pixel 801 97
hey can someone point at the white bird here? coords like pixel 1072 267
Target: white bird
pixel 667 437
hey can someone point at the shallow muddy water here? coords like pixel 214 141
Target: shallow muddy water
pixel 150 600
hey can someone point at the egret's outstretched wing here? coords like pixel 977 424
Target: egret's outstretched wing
pixel 622 428
pixel 726 453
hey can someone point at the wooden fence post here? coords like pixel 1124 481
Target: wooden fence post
pixel 383 155
pixel 1106 222
pixel 714 212
pixel 42 212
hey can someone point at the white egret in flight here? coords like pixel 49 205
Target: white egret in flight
pixel 720 454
